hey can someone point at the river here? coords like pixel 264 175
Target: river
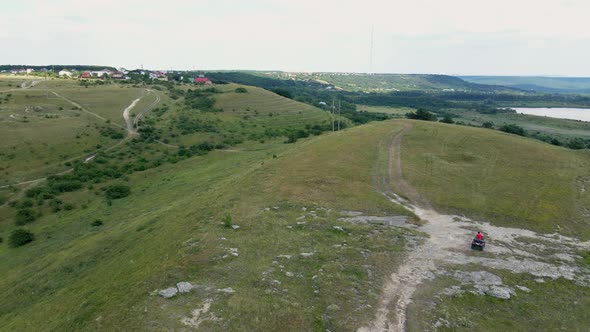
pixel 582 114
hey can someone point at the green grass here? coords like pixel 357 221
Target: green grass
pixel 79 276
pixel 556 305
pixel 397 111
pixel 560 128
pixel 501 178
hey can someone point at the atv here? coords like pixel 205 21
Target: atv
pixel 478 244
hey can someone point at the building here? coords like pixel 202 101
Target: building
pixel 201 80
pixel 65 73
pixel 85 74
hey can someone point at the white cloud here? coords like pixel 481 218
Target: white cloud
pixel 453 36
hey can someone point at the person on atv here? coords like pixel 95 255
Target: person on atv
pixel 479 236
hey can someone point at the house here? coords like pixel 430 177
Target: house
pixel 202 80
pixel 85 74
pixel 118 75
pixel 65 73
pixel 101 73
pixel 30 70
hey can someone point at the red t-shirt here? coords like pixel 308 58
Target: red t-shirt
pixel 479 236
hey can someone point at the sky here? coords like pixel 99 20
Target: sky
pixel 457 37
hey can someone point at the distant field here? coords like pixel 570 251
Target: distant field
pixel 500 177
pixel 558 127
pixel 399 111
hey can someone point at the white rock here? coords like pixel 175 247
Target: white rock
pixel 338 228
pixel 184 287
pixel 524 289
pixel 168 292
pixel 306 254
pixel 284 256
pixel 228 290
pixel 499 292
pixel 235 226
pixel 289 274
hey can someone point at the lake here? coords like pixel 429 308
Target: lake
pixel 582 114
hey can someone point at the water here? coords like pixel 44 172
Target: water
pixel 582 114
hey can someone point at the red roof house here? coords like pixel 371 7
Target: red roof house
pixel 85 75
pixel 202 80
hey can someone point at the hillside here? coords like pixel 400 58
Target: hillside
pixel 536 83
pixel 332 231
pixel 389 82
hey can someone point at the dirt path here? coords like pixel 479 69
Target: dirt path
pixel 448 242
pixel 128 120
pixel 90 157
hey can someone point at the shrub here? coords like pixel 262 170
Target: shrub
pixel 241 90
pixel 117 191
pixel 513 129
pixel 283 92
pixel 488 124
pixel 20 237
pixel 24 216
pixel 421 114
pixel 447 119
pixel 227 221
pixel 97 223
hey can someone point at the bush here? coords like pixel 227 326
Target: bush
pixel 96 223
pixel 227 221
pixel 447 119
pixel 241 90
pixel 283 92
pixel 20 237
pixel 117 191
pixel 421 114
pixel 24 216
pixel 513 129
pixel 488 125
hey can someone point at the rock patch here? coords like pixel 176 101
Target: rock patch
pixel 182 287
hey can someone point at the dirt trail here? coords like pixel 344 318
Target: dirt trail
pixel 88 158
pixel 128 120
pixel 449 238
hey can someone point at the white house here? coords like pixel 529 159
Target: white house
pixel 65 73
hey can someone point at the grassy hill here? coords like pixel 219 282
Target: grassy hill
pixel 42 130
pixel 499 177
pixel 209 159
pixel 389 82
pixel 79 276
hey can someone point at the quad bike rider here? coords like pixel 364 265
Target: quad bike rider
pixel 478 243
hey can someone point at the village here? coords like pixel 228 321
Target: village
pixel 120 74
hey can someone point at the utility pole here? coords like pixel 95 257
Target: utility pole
pixel 332 113
pixel 371 51
pixel 338 114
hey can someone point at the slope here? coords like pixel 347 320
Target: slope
pixel 290 258
pixel 500 177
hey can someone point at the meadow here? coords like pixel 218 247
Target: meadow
pixel 500 177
